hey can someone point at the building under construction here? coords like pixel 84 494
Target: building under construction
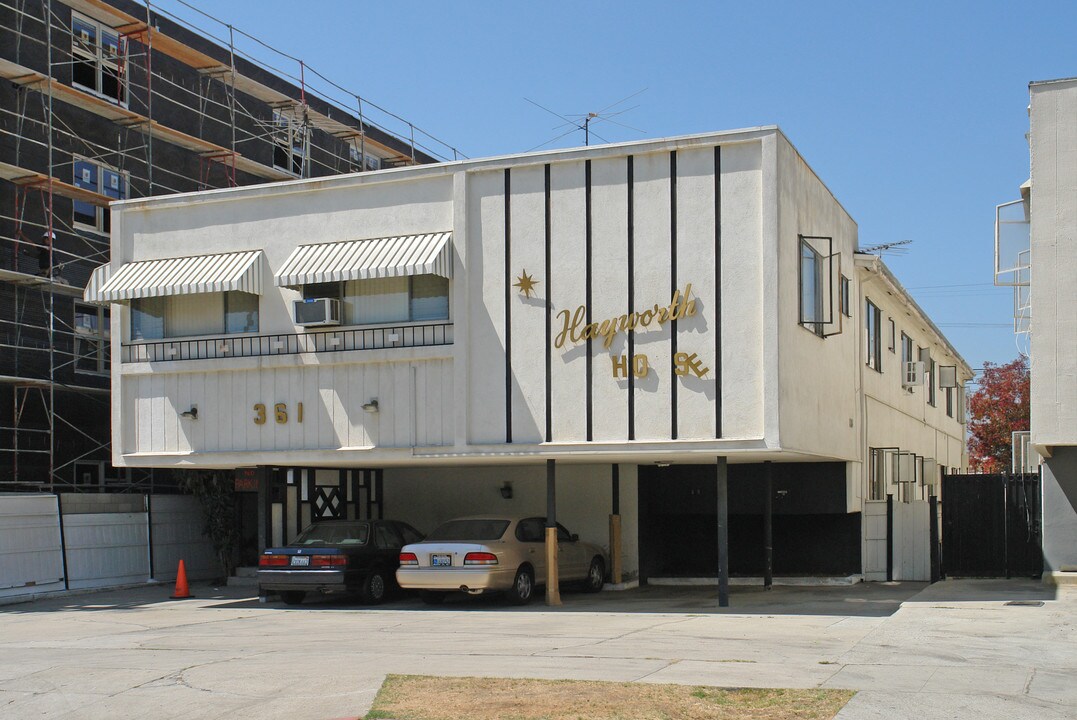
pixel 104 100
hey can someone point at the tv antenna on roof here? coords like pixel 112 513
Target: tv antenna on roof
pixel 894 248
pixel 583 121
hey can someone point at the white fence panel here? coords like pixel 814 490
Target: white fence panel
pixel 912 544
pixel 106 549
pixel 875 541
pixel 30 558
pixel 177 534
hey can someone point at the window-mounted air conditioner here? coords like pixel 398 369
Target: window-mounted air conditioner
pixel 913 374
pixel 316 312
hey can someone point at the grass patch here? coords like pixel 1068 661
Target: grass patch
pixel 421 697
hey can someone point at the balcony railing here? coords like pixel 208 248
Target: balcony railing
pixel 290 344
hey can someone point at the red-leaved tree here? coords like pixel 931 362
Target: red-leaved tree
pixel 998 408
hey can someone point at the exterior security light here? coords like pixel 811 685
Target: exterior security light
pixel 192 413
pixel 372 406
pixel 506 490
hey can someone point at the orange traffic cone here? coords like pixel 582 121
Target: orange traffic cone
pixel 182 593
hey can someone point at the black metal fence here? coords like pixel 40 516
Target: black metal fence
pixel 991 526
pixel 290 344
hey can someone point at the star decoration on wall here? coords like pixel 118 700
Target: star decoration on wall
pixel 526 283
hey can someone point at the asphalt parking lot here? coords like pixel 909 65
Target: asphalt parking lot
pixel 951 650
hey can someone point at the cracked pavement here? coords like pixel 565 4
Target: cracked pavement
pixel 950 650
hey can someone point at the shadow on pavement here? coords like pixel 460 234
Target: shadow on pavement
pixel 860 600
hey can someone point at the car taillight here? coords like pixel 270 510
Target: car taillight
pixel 480 558
pixel 408 559
pixel 328 560
pixel 272 560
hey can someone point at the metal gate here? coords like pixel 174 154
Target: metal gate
pixel 991 526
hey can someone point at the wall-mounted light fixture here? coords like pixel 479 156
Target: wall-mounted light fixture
pixel 506 490
pixel 372 406
pixel 192 413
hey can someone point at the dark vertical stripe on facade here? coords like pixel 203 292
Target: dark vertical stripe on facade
pixel 549 313
pixel 508 309
pixel 717 292
pixel 631 297
pixel 673 289
pixel 587 298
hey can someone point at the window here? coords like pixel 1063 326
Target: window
pixel 361 162
pixel 906 354
pixel 949 402
pixel 846 309
pixel 156 318
pixel 877 475
pixel 102 180
pixel 95 60
pixel 416 298
pixel 386 537
pixel 91 343
pixel 811 288
pixel 289 144
pixel 872 320
pixel 930 380
pixel 892 345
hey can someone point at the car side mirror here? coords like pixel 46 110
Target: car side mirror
pixel 574 537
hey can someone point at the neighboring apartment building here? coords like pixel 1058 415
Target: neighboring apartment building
pixel 101 101
pixel 670 322
pixel 1043 268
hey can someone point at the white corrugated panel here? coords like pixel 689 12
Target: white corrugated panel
pixel 98 279
pixel 366 259
pixel 224 272
pixel 30 559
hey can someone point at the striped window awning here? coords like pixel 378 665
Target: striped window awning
pixel 98 278
pixel 224 272
pixel 367 259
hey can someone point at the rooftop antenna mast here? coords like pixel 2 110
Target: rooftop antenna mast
pixel 583 121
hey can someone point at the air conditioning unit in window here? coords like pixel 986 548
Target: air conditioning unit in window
pixel 913 374
pixel 317 312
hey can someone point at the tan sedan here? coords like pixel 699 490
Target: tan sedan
pixel 476 555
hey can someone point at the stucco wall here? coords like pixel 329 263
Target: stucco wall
pixel 1054 262
pixel 818 376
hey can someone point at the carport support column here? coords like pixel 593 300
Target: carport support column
pixel 723 531
pixel 768 525
pixel 616 565
pixel 553 589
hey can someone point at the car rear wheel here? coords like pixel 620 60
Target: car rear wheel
pixel 292 597
pixel 596 575
pixel 523 587
pixel 430 597
pixel 374 588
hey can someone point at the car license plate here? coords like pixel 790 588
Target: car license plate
pixel 300 560
pixel 444 560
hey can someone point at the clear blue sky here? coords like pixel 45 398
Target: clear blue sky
pixel 913 113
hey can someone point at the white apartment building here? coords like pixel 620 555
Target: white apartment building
pixel 683 326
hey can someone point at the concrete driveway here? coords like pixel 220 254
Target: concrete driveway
pixel 951 650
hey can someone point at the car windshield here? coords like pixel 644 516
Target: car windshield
pixel 335 533
pixel 455 530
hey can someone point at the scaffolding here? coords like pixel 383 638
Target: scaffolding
pixel 252 123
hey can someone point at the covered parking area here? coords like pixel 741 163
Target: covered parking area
pixel 659 522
